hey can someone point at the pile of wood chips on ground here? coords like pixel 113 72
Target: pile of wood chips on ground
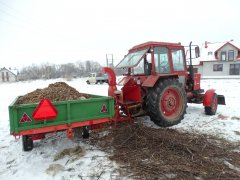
pixel 148 153
pixel 59 91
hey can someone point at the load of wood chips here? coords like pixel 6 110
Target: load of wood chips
pixel 59 91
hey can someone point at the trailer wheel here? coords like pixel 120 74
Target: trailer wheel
pixel 27 143
pixel 213 108
pixel 166 103
pixel 85 132
pixel 77 132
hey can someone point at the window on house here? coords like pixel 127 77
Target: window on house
pixel 217 67
pixel 230 55
pixel 234 69
pixel 223 55
pixel 3 77
pixel 7 76
pixel 195 70
pixel 210 53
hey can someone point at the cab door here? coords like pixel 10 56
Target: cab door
pixel 161 60
pixel 179 63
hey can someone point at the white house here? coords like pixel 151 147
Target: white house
pixel 219 59
pixel 8 75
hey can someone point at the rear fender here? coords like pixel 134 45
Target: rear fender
pixel 150 81
pixel 208 96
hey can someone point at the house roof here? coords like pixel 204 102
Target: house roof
pixel 13 71
pixel 226 44
pixel 208 50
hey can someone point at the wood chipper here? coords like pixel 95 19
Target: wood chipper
pixel 159 83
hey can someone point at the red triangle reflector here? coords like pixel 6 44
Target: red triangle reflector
pixel 25 118
pixel 104 109
pixel 45 110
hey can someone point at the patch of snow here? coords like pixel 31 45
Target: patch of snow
pixel 16 164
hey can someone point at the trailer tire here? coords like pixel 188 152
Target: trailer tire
pixel 77 132
pixel 211 110
pixel 85 132
pixel 166 102
pixel 27 143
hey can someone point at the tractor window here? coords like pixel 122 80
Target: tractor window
pixel 177 59
pixel 161 60
pixel 143 66
pixel 132 59
pixel 139 69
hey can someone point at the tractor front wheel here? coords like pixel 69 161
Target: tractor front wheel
pixel 211 110
pixel 166 102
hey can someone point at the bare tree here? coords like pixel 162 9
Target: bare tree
pixel 68 70
pixel 81 68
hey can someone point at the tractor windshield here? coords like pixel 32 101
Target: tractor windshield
pixel 132 59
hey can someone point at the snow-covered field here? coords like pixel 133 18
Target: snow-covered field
pixel 90 163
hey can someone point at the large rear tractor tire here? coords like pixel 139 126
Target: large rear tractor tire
pixel 166 102
pixel 211 110
pixel 27 143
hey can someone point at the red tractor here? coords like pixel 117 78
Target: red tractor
pixel 159 83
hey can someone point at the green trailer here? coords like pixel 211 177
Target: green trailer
pixel 33 121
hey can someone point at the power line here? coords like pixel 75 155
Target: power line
pixel 13 13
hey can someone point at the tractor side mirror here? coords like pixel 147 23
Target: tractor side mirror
pixel 197 52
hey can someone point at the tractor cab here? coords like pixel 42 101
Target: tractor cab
pixel 153 58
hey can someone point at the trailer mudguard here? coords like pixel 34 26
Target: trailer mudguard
pixel 208 97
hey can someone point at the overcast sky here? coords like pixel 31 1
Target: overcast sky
pixel 62 31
